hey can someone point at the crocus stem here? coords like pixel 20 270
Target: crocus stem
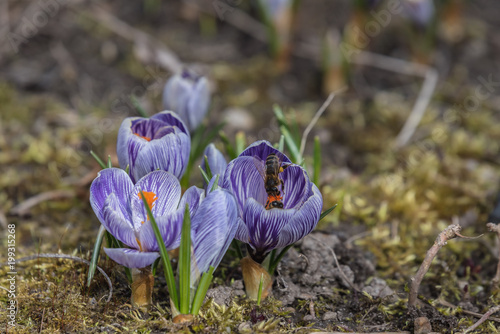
pixel 142 287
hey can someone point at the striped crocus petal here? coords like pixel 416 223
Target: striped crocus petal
pixel 162 191
pixel 164 134
pixel 303 221
pixel 193 196
pixel 198 103
pixel 131 258
pixel 170 227
pixel 216 160
pixel 110 181
pixel 212 229
pixel 297 186
pixel 169 153
pixel 264 226
pixel 243 179
pixel 261 149
pixel 129 144
pixel 118 224
pixel 171 118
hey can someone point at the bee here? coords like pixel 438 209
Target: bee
pixel 272 182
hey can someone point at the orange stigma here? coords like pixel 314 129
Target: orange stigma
pixel 150 198
pixel 138 135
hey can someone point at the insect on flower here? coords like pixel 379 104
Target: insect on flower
pixel 272 181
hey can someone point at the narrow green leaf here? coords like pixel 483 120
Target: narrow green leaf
pixel 154 266
pixel 292 147
pixel 274 264
pixel 99 161
pixel 317 161
pixel 138 106
pixel 236 246
pixel 201 292
pixel 95 254
pixel 127 169
pixel 259 293
pixel 216 183
pixel 207 168
pixel 229 147
pixel 185 263
pixel 205 176
pixel 294 129
pixel 241 142
pixel 281 145
pixel 167 266
pixel 110 165
pixel 326 212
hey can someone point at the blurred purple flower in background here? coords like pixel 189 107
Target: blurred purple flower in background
pixel 419 11
pixel 264 230
pixel 118 204
pixel 147 144
pixel 188 96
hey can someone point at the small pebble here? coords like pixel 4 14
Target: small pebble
pixel 309 318
pixel 330 316
pixel 422 326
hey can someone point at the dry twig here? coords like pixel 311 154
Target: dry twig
pixel 495 228
pixel 148 48
pixel 474 314
pixel 451 232
pixel 23 208
pixel 314 120
pixel 483 318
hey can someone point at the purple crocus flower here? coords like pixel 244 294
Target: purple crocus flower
pixel 264 230
pixel 147 144
pixel 189 96
pixel 118 204
pixel 213 227
pixel 216 160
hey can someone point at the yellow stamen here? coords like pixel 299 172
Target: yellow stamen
pixel 139 243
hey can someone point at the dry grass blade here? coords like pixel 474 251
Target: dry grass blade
pixel 148 48
pixel 23 208
pixel 311 124
pixel 483 318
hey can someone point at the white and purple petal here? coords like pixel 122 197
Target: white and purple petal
pixel 262 149
pixel 169 153
pixel 297 186
pixel 304 220
pixel 170 227
pixel 131 258
pixel 110 181
pixel 243 179
pixel 213 229
pixel 167 189
pixel 118 224
pixel 129 144
pixel 198 103
pixel 264 226
pixel 216 160
pixel 171 119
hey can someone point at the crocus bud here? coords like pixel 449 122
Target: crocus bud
pixel 216 160
pixel 188 96
pixel 419 11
